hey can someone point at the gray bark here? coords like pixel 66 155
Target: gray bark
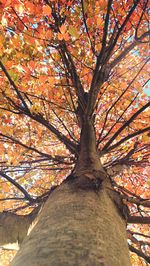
pixel 77 226
pixel 13 228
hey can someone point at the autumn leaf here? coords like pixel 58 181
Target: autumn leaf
pixel 35 109
pixel 47 10
pixel 63 34
pixel 30 6
pixel 145 138
pixel 73 32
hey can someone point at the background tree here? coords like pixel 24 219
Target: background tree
pixel 74 130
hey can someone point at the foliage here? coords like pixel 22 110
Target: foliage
pixel 51 54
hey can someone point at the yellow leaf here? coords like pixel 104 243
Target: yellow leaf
pixel 148 182
pixel 145 138
pixel 1 208
pixel 73 32
pixel 99 21
pixel 4 21
pixel 125 148
pixel 6 130
pixel 35 109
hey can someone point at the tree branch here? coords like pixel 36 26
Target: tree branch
pixel 105 121
pixel 139 253
pixel 138 220
pixel 105 32
pixel 143 202
pixel 68 61
pixel 48 156
pixel 69 144
pixel 127 123
pixel 14 228
pixel 128 49
pixel 15 87
pixel 123 24
pixel 86 27
pixel 12 181
pixel 126 138
pixel 40 119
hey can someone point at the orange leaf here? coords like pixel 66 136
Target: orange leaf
pixel 30 6
pixel 63 29
pixel 99 21
pixel 47 10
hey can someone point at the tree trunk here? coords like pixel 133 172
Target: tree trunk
pixel 77 226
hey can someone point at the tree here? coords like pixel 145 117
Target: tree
pixel 74 131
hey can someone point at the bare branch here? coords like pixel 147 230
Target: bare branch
pixel 86 27
pixel 40 119
pixel 139 253
pixel 19 18
pixel 103 128
pixel 143 202
pixel 68 61
pixel 32 149
pixel 140 234
pixel 126 138
pixel 69 144
pixel 128 49
pixel 127 123
pixel 12 181
pixel 65 127
pixel 15 87
pixel 124 24
pixel 138 220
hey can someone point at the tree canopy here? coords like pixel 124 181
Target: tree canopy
pixel 57 56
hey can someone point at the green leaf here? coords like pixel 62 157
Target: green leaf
pixel 73 32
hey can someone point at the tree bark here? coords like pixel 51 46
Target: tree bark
pixel 77 226
pixel 13 229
